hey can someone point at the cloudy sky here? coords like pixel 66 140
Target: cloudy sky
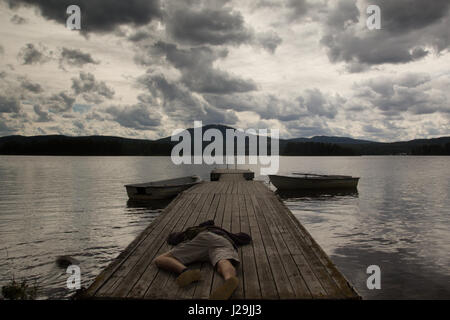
pixel 142 68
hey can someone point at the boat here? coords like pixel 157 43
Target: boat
pixel 311 181
pixel 162 189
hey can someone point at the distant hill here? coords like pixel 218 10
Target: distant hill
pixel 434 146
pixel 116 146
pixel 219 127
pixel 83 146
pixel 326 139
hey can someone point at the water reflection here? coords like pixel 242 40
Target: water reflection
pixel 404 275
pixel 292 195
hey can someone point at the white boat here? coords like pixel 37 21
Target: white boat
pixel 310 181
pixel 162 189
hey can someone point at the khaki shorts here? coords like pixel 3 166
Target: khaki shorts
pixel 206 246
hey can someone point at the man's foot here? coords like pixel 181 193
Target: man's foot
pixel 187 277
pixel 225 291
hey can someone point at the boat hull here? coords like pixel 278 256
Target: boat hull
pixel 154 193
pixel 160 190
pixel 311 183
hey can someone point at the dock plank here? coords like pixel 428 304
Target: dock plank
pixel 265 274
pixel 251 282
pixel 282 282
pixel 236 228
pixel 311 256
pixel 313 283
pixel 301 290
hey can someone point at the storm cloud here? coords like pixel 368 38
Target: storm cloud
pixel 16 19
pixel 9 104
pixel 317 104
pixel 99 15
pixel 409 28
pixel 75 57
pixel 31 86
pixel 213 23
pixel 403 16
pixel 312 103
pixel 139 117
pixel 181 104
pixel 266 106
pixel 59 103
pixel 207 22
pixel 6 128
pixel 413 93
pixel 269 41
pixel 32 54
pixel 91 90
pixel 43 116
pixel 299 8
pixel 198 73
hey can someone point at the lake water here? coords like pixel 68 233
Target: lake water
pixel 398 220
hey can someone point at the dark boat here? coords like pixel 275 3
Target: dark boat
pixel 310 181
pixel 162 189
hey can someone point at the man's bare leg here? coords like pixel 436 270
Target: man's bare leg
pixel 226 269
pixel 168 262
pixel 228 272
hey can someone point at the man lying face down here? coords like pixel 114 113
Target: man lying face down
pixel 205 242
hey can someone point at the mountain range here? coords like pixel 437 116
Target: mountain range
pixel 117 146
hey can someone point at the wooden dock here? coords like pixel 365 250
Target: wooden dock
pixel 231 174
pixel 282 262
